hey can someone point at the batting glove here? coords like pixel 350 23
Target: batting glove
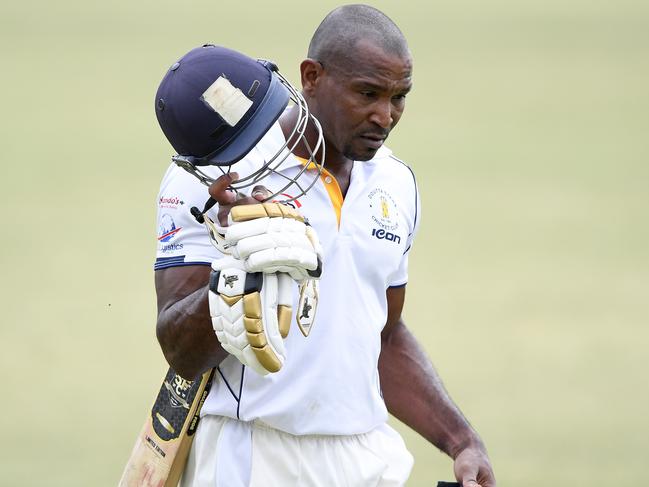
pixel 270 237
pixel 251 313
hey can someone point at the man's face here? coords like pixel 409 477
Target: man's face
pixel 359 101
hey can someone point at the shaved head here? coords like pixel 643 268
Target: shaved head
pixel 355 80
pixel 335 38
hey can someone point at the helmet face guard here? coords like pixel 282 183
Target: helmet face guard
pixel 214 105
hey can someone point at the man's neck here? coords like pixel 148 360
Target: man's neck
pixel 288 122
pixel 336 163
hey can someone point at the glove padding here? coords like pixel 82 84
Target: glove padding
pixel 251 313
pixel 270 237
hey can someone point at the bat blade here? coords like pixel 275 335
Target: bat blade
pixel 161 449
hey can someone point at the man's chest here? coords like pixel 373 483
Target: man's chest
pixel 369 227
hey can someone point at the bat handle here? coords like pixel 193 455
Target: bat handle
pixel 198 214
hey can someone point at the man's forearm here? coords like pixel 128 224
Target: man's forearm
pixel 414 393
pixel 186 337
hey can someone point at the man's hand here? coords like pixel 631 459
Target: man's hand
pixel 473 469
pixel 266 244
pixel 272 237
pixel 266 237
pixel 227 198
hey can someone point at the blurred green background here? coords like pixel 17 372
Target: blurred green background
pixel 528 129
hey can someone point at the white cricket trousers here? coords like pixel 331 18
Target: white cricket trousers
pixel 231 453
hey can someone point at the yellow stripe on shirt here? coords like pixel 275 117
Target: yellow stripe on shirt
pixel 332 187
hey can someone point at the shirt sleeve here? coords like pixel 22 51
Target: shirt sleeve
pixel 399 278
pixel 181 239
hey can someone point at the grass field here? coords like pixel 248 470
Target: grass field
pixel 528 130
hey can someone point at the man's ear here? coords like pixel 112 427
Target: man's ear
pixel 311 71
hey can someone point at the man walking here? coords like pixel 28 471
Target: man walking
pixel 321 420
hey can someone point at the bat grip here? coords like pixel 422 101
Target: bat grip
pixel 198 214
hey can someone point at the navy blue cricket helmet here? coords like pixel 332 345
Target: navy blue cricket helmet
pixel 215 104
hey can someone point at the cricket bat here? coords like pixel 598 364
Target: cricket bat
pixel 161 449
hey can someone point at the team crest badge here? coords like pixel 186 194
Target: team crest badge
pixel 383 210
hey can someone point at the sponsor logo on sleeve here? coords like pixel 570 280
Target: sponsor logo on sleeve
pixel 167 231
pixel 170 202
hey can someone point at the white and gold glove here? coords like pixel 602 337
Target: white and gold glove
pixel 270 237
pixel 251 313
pixel 270 245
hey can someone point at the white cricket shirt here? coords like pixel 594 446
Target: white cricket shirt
pixel 330 382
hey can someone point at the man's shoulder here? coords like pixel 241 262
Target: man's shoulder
pixel 179 184
pixel 386 163
pixel 385 155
